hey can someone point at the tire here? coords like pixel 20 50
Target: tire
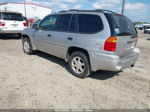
pixel 79 64
pixel 27 46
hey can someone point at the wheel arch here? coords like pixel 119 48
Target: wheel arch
pixel 26 36
pixel 73 49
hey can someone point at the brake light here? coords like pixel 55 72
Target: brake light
pixel 25 24
pixel 110 44
pixel 2 23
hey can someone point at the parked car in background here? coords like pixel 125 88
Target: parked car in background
pixel 31 21
pixel 25 19
pixel 147 31
pixel 35 23
pixel 146 28
pixel 89 40
pixel 139 26
pixel 11 22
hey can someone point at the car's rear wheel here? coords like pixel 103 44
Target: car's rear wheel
pixel 27 46
pixel 79 64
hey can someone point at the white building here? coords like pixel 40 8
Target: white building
pixel 32 10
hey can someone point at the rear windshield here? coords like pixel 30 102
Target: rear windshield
pixel 120 25
pixel 12 16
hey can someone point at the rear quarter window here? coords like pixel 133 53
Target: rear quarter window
pixel 89 23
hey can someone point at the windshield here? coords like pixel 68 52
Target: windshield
pixel 120 25
pixel 12 16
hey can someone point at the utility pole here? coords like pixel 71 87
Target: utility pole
pixel 123 3
pixel 25 8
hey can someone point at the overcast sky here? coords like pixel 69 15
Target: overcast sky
pixel 136 10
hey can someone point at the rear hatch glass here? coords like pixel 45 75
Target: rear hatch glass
pixel 12 16
pixel 124 29
pixel 120 25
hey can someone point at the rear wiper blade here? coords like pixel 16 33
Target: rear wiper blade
pixel 124 33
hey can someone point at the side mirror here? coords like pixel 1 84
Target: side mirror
pixel 35 26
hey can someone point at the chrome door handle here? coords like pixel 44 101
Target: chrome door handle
pixel 49 35
pixel 70 38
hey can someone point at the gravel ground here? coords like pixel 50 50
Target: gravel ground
pixel 42 81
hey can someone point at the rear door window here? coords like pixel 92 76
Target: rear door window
pixel 63 23
pixel 12 16
pixel 120 25
pixel 72 26
pixel 89 23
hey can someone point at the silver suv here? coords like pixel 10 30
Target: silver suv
pixel 89 40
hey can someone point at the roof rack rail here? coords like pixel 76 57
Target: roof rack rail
pixel 104 10
pixel 69 10
pixel 74 10
pixel 63 11
pixel 96 10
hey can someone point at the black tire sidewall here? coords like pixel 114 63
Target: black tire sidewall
pixel 87 70
pixel 30 50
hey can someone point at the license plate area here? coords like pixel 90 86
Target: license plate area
pixel 14 25
pixel 130 44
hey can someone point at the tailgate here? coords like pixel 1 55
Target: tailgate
pixel 125 45
pixel 124 30
pixel 14 25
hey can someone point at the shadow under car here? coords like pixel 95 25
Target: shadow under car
pixel 9 36
pixel 99 75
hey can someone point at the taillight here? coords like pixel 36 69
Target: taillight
pixel 110 44
pixel 2 23
pixel 25 24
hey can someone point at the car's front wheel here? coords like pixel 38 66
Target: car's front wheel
pixel 79 64
pixel 27 46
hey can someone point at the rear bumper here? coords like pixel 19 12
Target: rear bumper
pixel 108 62
pixel 10 31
